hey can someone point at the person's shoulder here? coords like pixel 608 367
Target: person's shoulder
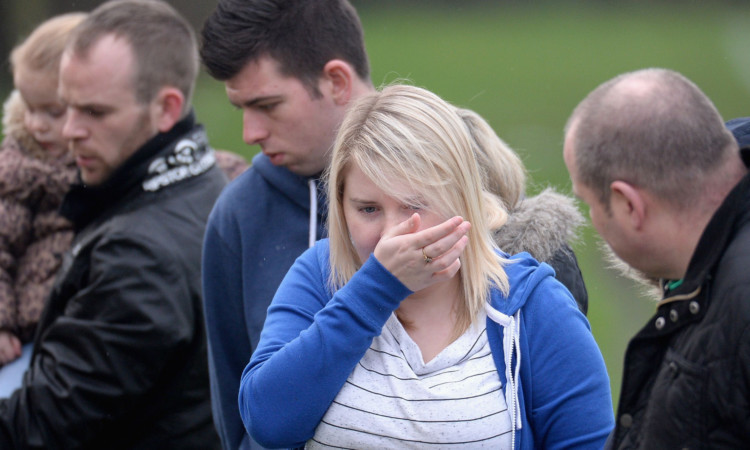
pixel 230 163
pixel 241 196
pixel 249 194
pixel 739 125
pixel 740 128
pixel 321 251
pixel 525 270
pixel 734 262
pixel 317 255
pixel 533 285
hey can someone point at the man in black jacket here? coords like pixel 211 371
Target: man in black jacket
pixel 669 190
pixel 120 352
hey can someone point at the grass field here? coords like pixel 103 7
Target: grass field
pixel 525 69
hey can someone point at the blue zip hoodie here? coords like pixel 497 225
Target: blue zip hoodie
pixel 312 339
pixel 241 271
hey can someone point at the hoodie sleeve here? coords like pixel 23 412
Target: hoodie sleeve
pixel 310 344
pixel 564 378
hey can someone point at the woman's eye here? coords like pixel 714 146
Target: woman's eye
pixel 368 209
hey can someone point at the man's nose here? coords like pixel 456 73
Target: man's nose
pixel 254 128
pixel 73 129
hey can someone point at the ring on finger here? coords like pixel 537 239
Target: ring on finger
pixel 427 259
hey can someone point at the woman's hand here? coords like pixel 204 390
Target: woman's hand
pixel 10 347
pixel 421 258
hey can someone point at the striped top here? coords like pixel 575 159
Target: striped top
pixel 392 399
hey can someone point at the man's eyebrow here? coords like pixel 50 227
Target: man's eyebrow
pixel 255 101
pixel 88 105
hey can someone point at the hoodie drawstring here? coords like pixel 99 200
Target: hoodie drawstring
pixel 511 347
pixel 313 212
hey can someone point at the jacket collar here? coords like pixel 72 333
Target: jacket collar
pixel 84 203
pixel 745 154
pixel 716 237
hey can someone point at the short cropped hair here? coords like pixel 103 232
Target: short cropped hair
pixel 42 50
pixel 162 41
pixel 652 128
pixel 407 140
pixel 301 35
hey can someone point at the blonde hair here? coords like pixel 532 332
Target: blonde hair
pixel 42 50
pixel 502 171
pixel 408 140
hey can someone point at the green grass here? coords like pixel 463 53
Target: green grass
pixel 524 69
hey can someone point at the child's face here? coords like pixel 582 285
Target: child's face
pixel 45 113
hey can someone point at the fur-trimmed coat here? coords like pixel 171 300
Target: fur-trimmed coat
pixel 33 236
pixel 544 226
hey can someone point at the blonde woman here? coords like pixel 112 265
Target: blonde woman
pixel 408 327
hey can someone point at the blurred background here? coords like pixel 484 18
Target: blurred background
pixel 523 65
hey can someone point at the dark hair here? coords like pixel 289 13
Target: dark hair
pixel 162 41
pixel 653 128
pixel 301 35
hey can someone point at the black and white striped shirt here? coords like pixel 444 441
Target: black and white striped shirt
pixel 392 399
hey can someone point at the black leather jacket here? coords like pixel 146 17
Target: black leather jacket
pixel 687 372
pixel 120 352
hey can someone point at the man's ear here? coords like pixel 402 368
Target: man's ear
pixel 629 203
pixel 167 108
pixel 339 76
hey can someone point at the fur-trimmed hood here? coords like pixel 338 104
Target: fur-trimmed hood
pixel 540 225
pixel 14 109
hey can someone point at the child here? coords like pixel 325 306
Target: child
pixel 36 170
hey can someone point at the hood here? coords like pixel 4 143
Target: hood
pixel 309 193
pixel 14 109
pixel 524 274
pixel 540 225
pixel 295 187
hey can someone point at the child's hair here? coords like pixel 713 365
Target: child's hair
pixel 42 50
